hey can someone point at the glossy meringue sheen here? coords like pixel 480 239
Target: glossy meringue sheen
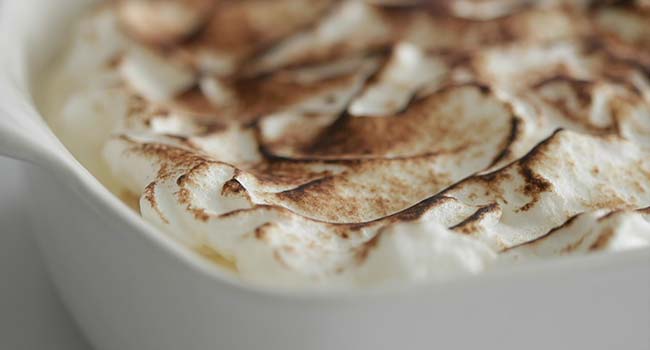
pixel 350 143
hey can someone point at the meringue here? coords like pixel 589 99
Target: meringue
pixel 362 143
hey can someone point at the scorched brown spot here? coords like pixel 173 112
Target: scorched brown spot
pixel 603 239
pixel 472 223
pixel 150 196
pixel 547 235
pixel 232 187
pixel 364 251
pixel 534 187
pixel 435 124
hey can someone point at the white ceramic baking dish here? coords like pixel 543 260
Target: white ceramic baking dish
pixel 131 288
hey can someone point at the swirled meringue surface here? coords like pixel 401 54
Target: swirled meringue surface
pixel 350 144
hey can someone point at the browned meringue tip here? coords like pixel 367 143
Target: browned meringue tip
pixel 163 22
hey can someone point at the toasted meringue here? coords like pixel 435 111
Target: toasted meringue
pixel 357 143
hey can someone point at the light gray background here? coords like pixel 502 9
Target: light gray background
pixel 31 315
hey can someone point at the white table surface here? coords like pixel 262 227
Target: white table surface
pixel 31 315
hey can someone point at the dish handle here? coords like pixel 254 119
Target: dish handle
pixel 27 51
pixel 23 134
